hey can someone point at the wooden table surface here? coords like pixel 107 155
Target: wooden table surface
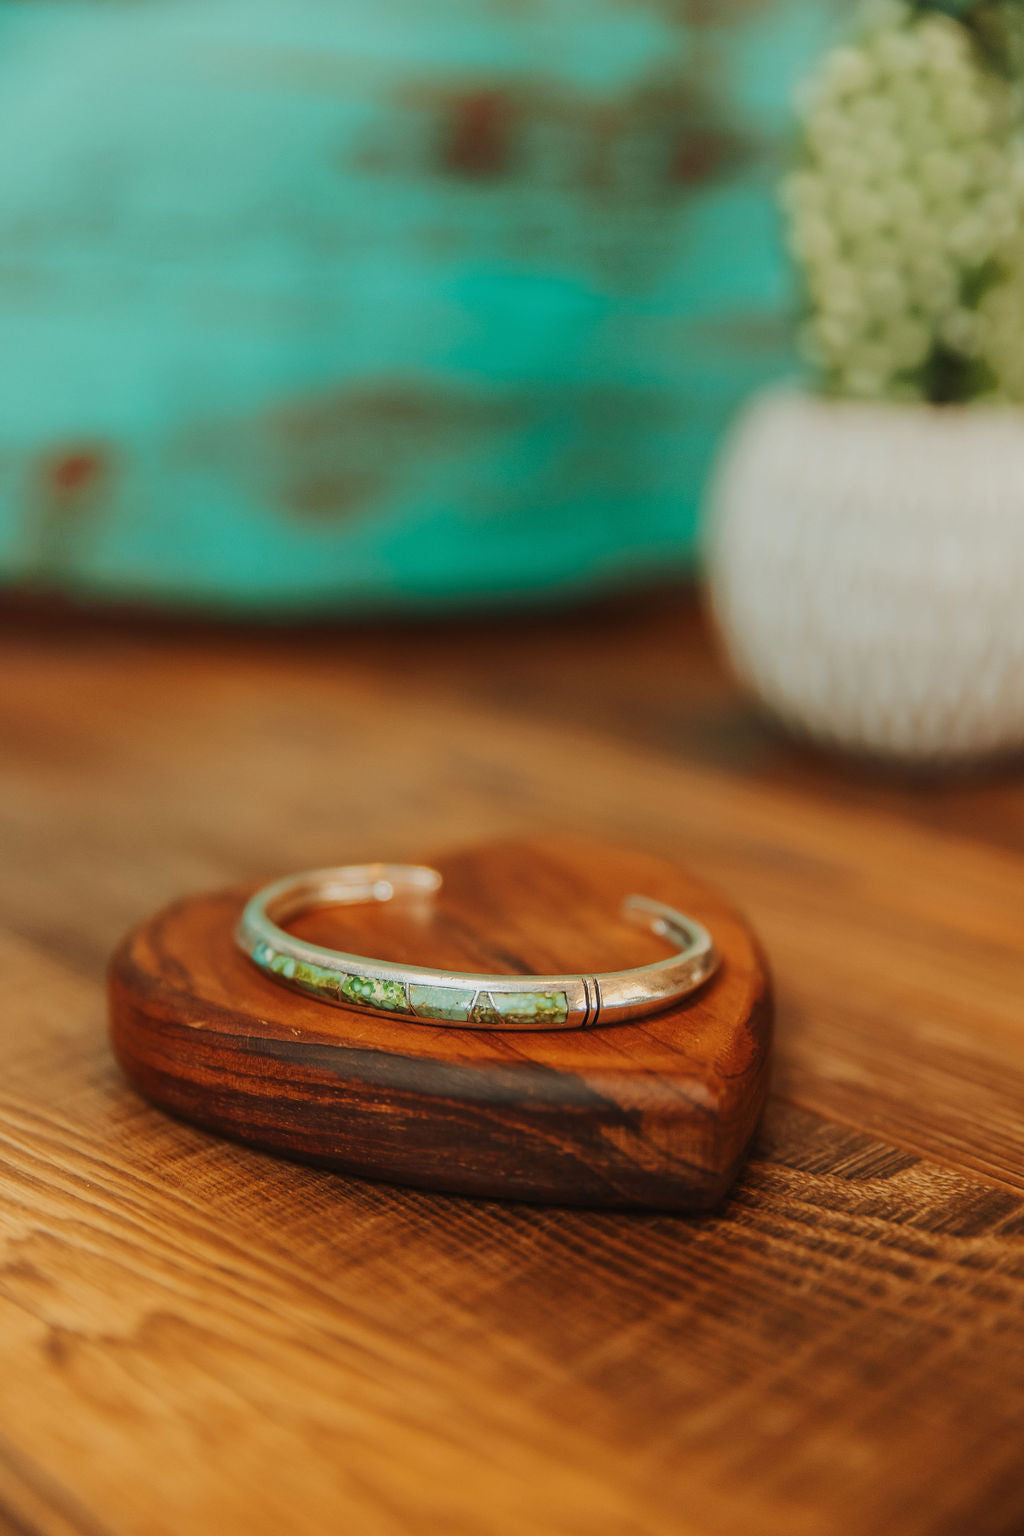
pixel 198 1338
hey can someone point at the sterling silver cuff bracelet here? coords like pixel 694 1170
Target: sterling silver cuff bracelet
pixel 456 999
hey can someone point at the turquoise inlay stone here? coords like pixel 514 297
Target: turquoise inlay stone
pixel 530 1007
pixel 314 978
pixel 451 1003
pixel 484 1011
pixel 372 992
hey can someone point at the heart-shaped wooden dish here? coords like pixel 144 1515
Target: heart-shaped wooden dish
pixel 657 1113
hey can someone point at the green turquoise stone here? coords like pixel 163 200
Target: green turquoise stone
pixel 449 1003
pixel 372 992
pixel 313 978
pixel 454 1005
pixel 530 1007
pixel 484 1011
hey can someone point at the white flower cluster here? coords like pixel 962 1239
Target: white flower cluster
pixel 907 216
pixel 1000 326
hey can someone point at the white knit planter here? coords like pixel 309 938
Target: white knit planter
pixel 866 568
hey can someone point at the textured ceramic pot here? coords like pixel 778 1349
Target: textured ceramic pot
pixel 866 568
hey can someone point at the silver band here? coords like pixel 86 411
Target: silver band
pixel 453 998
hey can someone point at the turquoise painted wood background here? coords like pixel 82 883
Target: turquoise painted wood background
pixel 375 304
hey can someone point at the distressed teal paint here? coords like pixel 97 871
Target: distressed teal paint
pixel 266 348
